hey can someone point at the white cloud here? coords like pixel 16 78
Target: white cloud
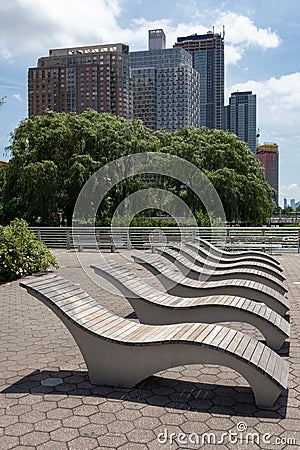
pixel 35 26
pixel 241 30
pixel 278 107
pixel 17 97
pixel 278 102
pixel 289 192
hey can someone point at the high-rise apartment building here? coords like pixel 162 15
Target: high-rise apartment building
pixel 166 88
pixel 81 78
pixel 267 154
pixel 157 39
pixel 241 117
pixel 208 59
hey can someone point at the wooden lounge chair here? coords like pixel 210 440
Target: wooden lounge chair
pixel 225 255
pixel 155 307
pixel 190 252
pixel 177 284
pixel 191 271
pixel 219 260
pixel 230 255
pixel 119 352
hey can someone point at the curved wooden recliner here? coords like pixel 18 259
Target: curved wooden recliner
pixel 155 307
pixel 190 252
pixel 177 284
pixel 191 271
pixel 234 255
pixel 218 259
pixel 119 352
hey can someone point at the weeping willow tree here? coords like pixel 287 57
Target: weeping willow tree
pixel 55 154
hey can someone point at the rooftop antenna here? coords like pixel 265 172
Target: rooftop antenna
pixel 223 31
pixel 213 28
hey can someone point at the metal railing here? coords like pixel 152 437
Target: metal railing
pixel 271 240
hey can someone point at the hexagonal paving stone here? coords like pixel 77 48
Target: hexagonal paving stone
pixel 111 440
pixel 50 445
pixel 35 438
pixel 93 430
pixel 8 442
pixel 132 446
pixel 120 427
pixel 86 410
pixel 128 414
pixel 5 421
pixel 18 429
pixel 220 423
pixel 45 406
pixel 148 423
pixel 59 413
pixel 102 418
pixel 69 402
pixel 81 443
pixel 64 434
pixel 32 417
pixel 140 436
pixel 18 410
pixel 152 411
pixel 75 421
pixel 47 425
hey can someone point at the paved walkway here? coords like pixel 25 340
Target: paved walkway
pixel 187 401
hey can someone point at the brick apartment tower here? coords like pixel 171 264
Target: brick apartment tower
pixel 208 59
pixel 81 78
pixel 267 154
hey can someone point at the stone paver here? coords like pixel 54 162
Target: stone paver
pixel 187 401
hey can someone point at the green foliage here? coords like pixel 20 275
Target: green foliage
pixel 61 151
pixel 2 100
pixel 21 253
pixel 231 167
pixel 55 154
pixel 294 224
pixel 2 182
pixel 287 210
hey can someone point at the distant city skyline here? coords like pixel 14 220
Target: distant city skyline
pixel 261 42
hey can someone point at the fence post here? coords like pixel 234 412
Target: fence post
pixel 68 239
pixel 263 241
pixel 39 236
pixel 299 241
pixel 128 239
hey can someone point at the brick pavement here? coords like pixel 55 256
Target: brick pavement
pixel 195 399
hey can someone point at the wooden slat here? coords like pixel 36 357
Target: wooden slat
pixel 228 338
pixel 250 349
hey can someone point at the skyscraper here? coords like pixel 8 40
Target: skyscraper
pixel 81 78
pixel 267 154
pixel 166 89
pixel 242 117
pixel 207 51
pixel 157 39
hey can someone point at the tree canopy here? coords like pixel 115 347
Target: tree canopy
pixel 55 154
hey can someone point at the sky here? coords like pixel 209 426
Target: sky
pixel 262 48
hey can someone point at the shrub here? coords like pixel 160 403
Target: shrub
pixel 21 253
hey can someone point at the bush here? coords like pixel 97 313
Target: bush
pixel 21 253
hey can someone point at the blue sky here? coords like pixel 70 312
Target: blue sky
pixel 262 53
